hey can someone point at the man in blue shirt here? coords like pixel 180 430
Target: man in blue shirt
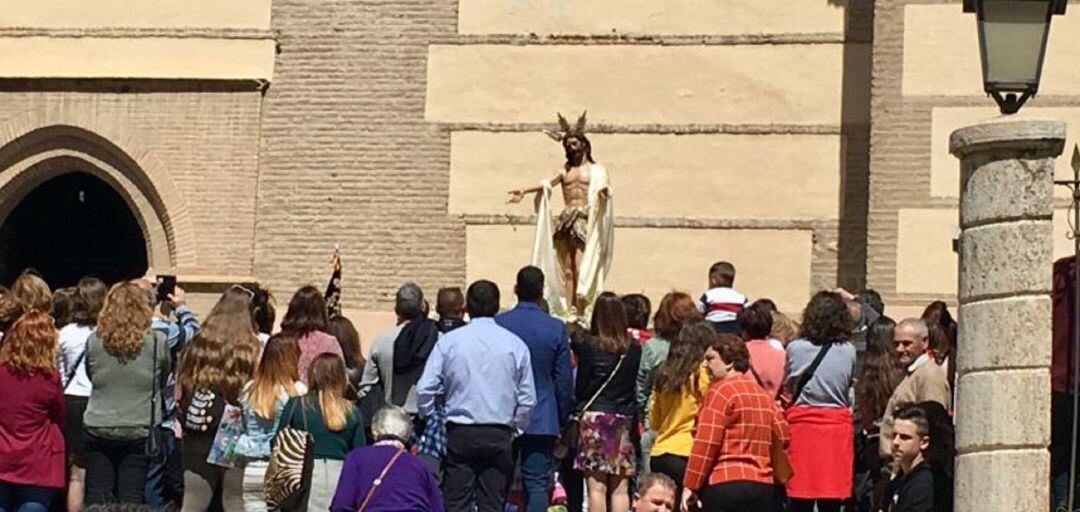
pixel 484 374
pixel 164 478
pixel 549 351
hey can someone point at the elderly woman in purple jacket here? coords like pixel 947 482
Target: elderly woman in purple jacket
pixel 384 476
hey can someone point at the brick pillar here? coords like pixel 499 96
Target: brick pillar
pixel 1003 364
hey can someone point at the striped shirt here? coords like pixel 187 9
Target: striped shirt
pixel 733 435
pixel 721 304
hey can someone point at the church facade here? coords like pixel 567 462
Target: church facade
pixel 805 142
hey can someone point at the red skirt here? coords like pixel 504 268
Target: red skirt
pixel 822 452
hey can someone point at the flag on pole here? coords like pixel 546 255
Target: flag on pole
pixel 333 288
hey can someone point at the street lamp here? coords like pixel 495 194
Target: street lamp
pixel 1012 41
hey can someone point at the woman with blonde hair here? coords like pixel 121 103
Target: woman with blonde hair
pixel 127 363
pixel 333 421
pixel 32 292
pixel 212 370
pixel 784 329
pixel 276 380
pixel 32 454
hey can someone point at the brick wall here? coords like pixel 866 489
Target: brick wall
pixel 201 139
pixel 347 156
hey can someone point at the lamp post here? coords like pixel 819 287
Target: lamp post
pixel 1012 42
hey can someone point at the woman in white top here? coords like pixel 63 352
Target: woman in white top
pixel 89 296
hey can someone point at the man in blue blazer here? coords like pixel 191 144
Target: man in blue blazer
pixel 549 348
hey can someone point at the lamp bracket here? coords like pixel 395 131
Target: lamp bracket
pixel 1010 103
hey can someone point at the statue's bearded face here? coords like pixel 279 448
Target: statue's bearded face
pixel 575 150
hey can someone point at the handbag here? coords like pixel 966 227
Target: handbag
pixel 378 481
pixel 782 471
pixel 572 432
pixel 292 459
pixel 155 440
pixel 230 428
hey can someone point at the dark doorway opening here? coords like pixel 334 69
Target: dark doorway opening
pixel 72 226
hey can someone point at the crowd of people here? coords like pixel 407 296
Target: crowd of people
pixel 115 397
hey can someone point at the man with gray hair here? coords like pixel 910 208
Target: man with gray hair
pixel 384 475
pixel 398 388
pixel 924 379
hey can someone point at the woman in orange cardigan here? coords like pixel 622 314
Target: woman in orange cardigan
pixel 730 467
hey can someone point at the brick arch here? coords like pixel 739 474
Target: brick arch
pixel 41 145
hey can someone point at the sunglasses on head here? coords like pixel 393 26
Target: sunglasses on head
pixel 244 289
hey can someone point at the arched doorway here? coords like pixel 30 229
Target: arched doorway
pixel 70 226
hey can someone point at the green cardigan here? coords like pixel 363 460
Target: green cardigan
pixel 654 352
pixel 334 445
pixel 119 405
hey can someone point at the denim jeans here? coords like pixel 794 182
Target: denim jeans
pixel 537 468
pixel 165 477
pixel 25 498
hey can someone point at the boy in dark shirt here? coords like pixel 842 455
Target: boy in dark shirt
pixel 921 486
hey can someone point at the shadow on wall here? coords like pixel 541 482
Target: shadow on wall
pixel 855 152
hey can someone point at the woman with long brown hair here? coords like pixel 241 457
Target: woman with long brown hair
pixel 334 422
pixel 675 310
pixel 32 454
pixel 876 381
pixel 678 387
pixel 344 331
pixel 212 370
pixel 126 362
pixel 604 394
pixel 276 380
pixel 943 336
pixel 307 318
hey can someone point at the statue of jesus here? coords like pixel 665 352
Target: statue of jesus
pixel 574 250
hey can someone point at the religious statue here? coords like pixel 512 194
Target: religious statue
pixel 574 249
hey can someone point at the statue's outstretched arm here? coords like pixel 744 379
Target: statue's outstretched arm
pixel 518 194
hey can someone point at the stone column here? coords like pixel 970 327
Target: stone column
pixel 1003 364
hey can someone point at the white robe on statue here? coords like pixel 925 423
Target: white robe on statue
pixel 595 260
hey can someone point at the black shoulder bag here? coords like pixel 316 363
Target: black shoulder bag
pixel 804 379
pixel 572 432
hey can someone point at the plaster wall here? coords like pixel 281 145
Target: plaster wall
pixel 657 175
pixel 666 259
pixel 690 17
pixel 941 53
pixel 637 84
pixel 51 14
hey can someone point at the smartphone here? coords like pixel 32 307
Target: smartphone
pixel 166 285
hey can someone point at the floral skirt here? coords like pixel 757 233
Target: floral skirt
pixel 604 444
